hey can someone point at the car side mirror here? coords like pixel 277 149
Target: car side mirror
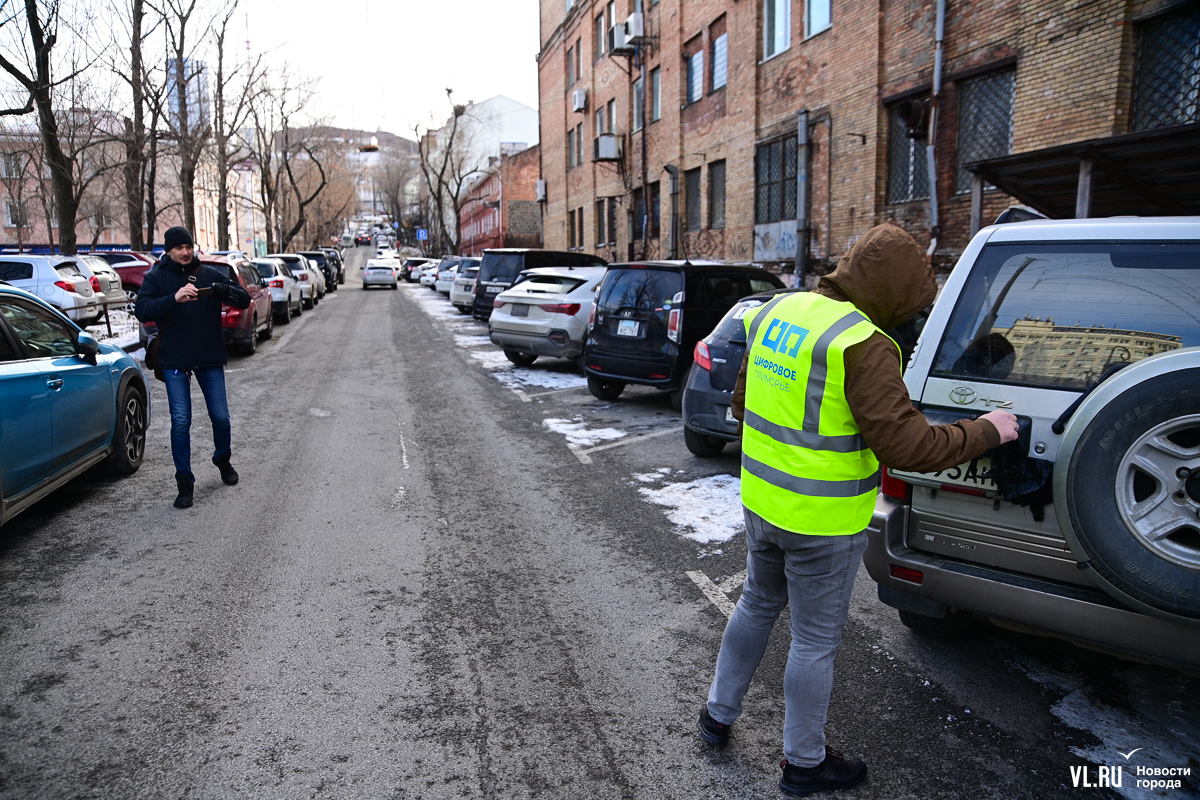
pixel 87 347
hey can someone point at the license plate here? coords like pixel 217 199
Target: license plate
pixel 969 475
pixel 520 310
pixel 729 415
pixel 627 327
pixel 493 289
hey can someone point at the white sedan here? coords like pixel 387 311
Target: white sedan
pixel 545 313
pixel 381 272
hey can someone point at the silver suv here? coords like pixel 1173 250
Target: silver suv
pixel 1088 527
pixel 56 279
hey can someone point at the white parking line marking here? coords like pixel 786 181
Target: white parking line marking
pixel 403 452
pixel 732 582
pixel 583 454
pixel 528 398
pixel 712 592
pixel 284 339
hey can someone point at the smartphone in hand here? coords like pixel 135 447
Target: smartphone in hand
pixel 204 292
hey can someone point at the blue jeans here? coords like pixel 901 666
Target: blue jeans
pixel 179 398
pixel 815 576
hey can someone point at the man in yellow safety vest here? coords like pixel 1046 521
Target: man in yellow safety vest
pixel 822 403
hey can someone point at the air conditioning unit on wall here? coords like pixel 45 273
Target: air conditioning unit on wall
pixel 635 27
pixel 621 45
pixel 607 147
pixel 579 100
pixel 541 191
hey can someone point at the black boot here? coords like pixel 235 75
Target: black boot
pixel 186 483
pixel 835 772
pixel 228 473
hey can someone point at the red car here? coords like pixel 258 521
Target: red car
pixel 245 327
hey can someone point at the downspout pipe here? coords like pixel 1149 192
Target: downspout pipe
pixel 802 224
pixel 673 171
pixel 930 149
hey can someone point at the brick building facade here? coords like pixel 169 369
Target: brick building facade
pixel 501 208
pixel 710 103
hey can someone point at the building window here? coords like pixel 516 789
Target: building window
pixel 16 215
pixel 570 66
pixel 817 16
pixel 1167 87
pixel 612 25
pixel 571 229
pixel 655 94
pixel 777 27
pixel 720 61
pixel 600 37
pixel 691 199
pixel 578 60
pixel 612 221
pixel 655 219
pixel 639 99
pixel 600 222
pixel 611 124
pixel 695 76
pixel 716 194
pixel 12 165
pixel 908 176
pixel 570 149
pixel 639 214
pixel 579 228
pixel 775 181
pixel 601 116
pixel 579 145
pixel 985 111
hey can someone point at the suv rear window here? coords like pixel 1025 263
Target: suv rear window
pixel 68 270
pixel 266 269
pixel 549 284
pixel 500 266
pixel 649 289
pixel 1059 315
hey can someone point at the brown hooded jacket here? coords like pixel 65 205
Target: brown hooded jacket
pixel 887 277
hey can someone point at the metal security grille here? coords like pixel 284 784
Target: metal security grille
pixel 612 220
pixel 775 181
pixel 908 177
pixel 691 198
pixel 985 112
pixel 1167 91
pixel 716 194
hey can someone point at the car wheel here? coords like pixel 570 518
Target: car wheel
pixel 131 292
pixel 954 623
pixel 307 303
pixel 1133 496
pixel 520 359
pixel 677 399
pixel 129 440
pixel 703 446
pixel 249 345
pixel 268 331
pixel 395 286
pixel 605 390
pixel 286 317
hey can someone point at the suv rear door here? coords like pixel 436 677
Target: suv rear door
pixel 633 307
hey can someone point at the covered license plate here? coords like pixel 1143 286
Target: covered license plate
pixel 520 310
pixel 493 289
pixel 968 475
pixel 627 327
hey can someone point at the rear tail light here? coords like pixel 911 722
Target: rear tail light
pixel 497 304
pixel 96 285
pixel 702 357
pixel 906 574
pixel 303 276
pixel 673 325
pixel 67 286
pixel 895 488
pixel 592 317
pixel 276 284
pixel 570 309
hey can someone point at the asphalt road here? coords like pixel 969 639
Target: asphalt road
pixel 419 590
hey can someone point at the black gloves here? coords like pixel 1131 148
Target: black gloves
pixel 220 291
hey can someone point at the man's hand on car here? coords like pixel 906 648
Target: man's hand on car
pixel 188 292
pixel 1005 423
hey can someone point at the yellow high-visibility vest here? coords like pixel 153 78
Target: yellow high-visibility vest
pixel 805 467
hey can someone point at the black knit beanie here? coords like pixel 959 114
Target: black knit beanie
pixel 175 237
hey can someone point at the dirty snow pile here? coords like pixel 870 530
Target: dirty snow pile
pixel 542 378
pixel 124 328
pixel 705 509
pixel 577 433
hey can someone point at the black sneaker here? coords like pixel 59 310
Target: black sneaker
pixel 228 473
pixel 186 484
pixel 712 731
pixel 835 772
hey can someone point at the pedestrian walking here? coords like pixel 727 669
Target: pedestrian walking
pixel 184 297
pixel 822 404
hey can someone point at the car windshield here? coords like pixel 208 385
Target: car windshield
pixel 549 284
pixel 649 289
pixel 1059 315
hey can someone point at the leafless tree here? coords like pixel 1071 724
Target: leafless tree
pixel 187 118
pixel 231 109
pixel 447 162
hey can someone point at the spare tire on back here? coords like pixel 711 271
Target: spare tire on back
pixel 1128 500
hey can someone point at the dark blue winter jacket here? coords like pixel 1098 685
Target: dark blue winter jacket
pixel 190 332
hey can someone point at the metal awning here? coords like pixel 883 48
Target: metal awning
pixel 1152 173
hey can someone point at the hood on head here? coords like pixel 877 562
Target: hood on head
pixel 886 276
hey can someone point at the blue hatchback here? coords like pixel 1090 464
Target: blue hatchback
pixel 67 403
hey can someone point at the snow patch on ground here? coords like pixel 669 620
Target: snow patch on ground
pixel 706 509
pixel 433 303
pixel 491 359
pixel 578 434
pixel 1168 742
pixel 545 379
pixel 124 328
pixel 473 340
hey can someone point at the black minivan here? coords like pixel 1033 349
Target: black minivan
pixel 500 267
pixel 648 317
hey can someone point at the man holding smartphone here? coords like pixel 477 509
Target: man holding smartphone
pixel 183 297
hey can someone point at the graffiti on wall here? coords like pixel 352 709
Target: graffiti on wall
pixel 775 241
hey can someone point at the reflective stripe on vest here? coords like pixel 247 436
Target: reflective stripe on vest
pixel 805 466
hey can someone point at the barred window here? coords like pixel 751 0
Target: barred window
pixel 775 181
pixel 720 61
pixel 908 175
pixel 612 221
pixel 716 194
pixel 985 112
pixel 579 226
pixel 639 214
pixel 1167 87
pixel 600 222
pixel 691 199
pixel 655 219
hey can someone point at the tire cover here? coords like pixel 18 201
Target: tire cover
pixel 1161 577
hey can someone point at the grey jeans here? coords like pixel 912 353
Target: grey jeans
pixel 815 575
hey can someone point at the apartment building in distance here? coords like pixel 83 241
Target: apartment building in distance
pixel 753 130
pixel 500 208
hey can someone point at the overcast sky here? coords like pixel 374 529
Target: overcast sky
pixel 387 63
